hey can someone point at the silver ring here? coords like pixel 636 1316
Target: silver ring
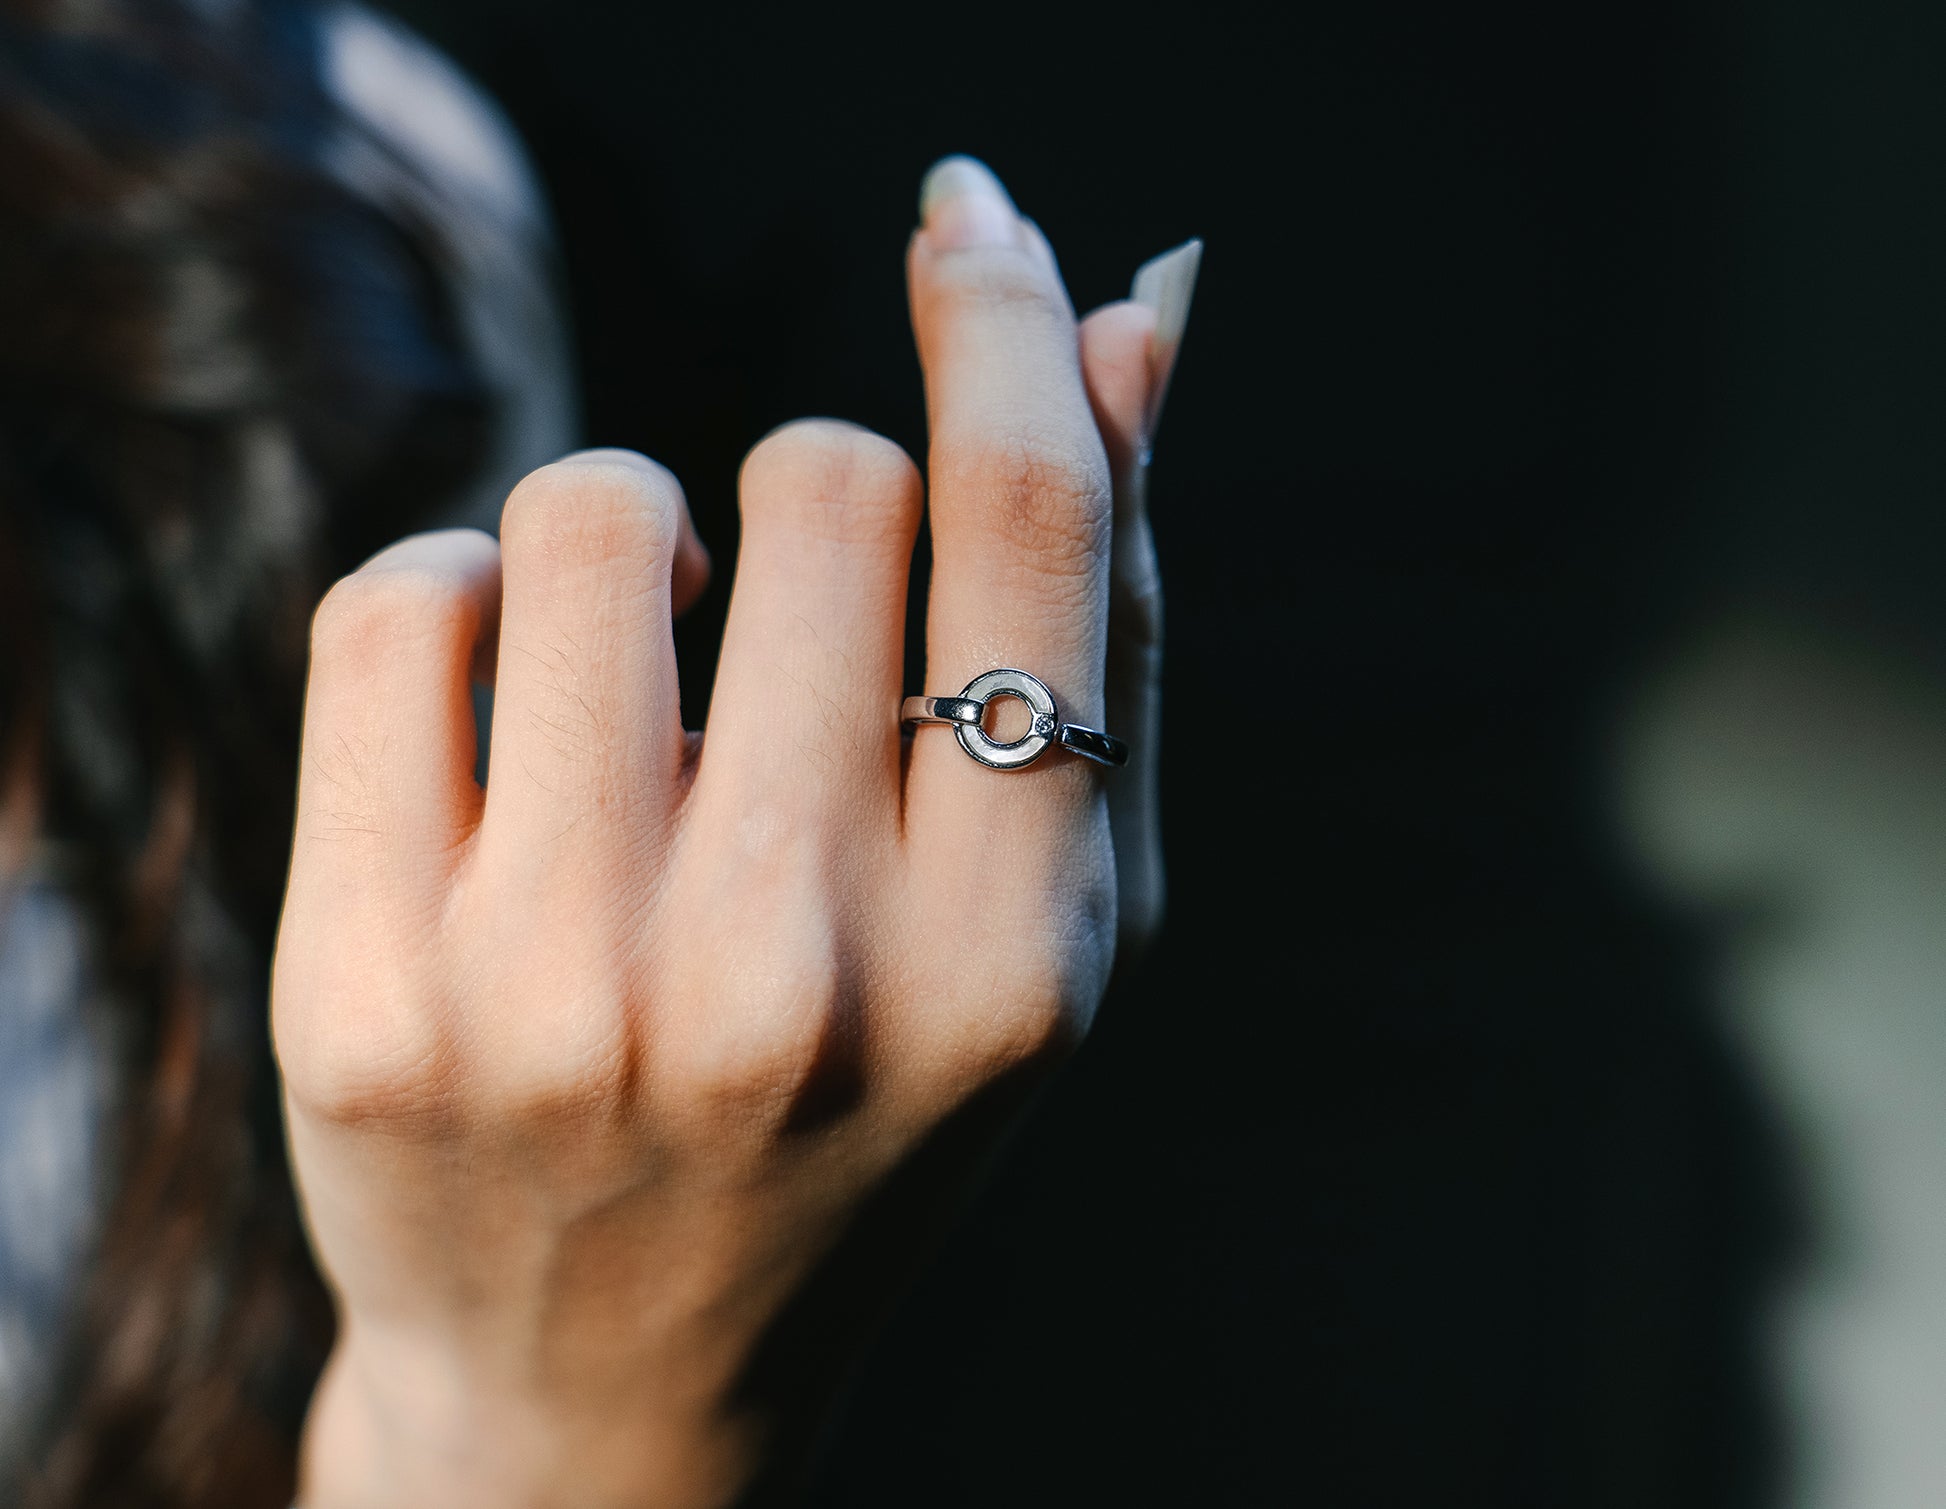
pixel 965 713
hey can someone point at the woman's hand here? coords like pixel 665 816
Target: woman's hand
pixel 615 1089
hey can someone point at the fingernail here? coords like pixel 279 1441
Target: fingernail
pixel 1166 284
pixel 962 204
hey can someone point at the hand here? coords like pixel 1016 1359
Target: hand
pixel 615 1089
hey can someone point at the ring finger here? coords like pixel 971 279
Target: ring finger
pixel 1019 484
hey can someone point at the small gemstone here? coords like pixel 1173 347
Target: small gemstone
pixel 1044 725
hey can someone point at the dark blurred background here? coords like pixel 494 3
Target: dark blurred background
pixel 1418 1165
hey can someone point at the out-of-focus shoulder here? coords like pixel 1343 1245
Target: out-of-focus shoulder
pixel 60 1074
pixel 410 93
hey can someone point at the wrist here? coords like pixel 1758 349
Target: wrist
pixel 397 1424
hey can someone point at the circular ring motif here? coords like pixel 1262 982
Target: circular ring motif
pixel 988 750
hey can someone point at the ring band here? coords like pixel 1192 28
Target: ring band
pixel 941 710
pixel 966 712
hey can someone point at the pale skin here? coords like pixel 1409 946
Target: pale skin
pixel 603 1077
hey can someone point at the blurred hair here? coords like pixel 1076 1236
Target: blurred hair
pixel 227 372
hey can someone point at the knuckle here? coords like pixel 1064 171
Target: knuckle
pixel 1048 959
pixel 565 1045
pixel 979 280
pixel 1036 1023
pixel 566 1084
pixel 366 615
pixel 833 479
pixel 594 509
pixel 775 1043
pixel 1047 495
pixel 363 1064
